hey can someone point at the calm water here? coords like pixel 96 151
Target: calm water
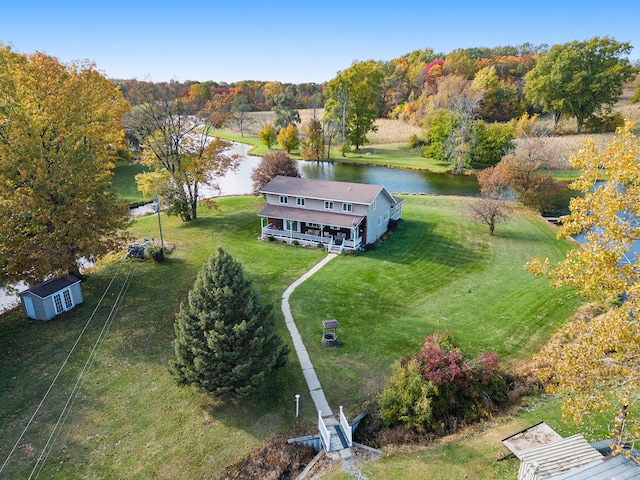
pixel 395 180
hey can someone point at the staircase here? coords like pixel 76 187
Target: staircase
pixel 336 436
pixel 335 247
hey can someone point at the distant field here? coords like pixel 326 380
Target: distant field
pixel 389 131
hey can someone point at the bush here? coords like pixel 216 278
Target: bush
pixel 416 142
pixel 607 122
pixel 154 252
pixel 440 387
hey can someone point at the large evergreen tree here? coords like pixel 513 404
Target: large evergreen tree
pixel 225 344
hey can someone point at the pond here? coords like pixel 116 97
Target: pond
pixel 394 179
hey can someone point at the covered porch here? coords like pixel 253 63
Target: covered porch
pixel 334 231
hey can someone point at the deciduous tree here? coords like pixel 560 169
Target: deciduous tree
pixel 272 165
pixel 288 138
pixel 531 187
pixel 225 344
pixel 286 109
pixel 176 144
pixel 60 129
pixel 268 135
pixel 353 98
pixel 599 363
pixel 312 147
pixel 240 110
pixel 489 211
pixel 579 78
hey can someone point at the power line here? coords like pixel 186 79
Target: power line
pixel 64 363
pixel 47 449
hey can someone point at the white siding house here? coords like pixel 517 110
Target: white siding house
pixel 51 298
pixel 335 214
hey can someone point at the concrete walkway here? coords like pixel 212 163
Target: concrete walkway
pixel 315 389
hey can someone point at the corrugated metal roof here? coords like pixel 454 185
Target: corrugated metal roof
pixel 312 216
pixel 50 287
pixel 553 459
pixel 618 468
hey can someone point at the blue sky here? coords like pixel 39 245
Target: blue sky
pixel 290 41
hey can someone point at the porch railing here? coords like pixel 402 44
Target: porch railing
pixel 303 237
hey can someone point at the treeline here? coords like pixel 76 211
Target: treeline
pixel 257 95
pixel 408 82
pixel 416 85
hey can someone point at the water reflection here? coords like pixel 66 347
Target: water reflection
pixel 394 179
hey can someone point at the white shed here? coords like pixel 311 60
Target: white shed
pixel 51 298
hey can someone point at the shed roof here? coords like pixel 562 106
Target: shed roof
pixel 618 467
pixel 326 190
pixel 534 436
pixel 48 288
pixel 312 216
pixel 553 459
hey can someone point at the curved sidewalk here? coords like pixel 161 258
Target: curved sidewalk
pixel 315 389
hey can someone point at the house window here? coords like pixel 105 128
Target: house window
pixel 328 205
pixel 300 202
pixel 386 215
pixel 291 225
pixel 347 207
pixel 284 199
pixel 57 299
pixel 379 220
pixel 67 299
pixel 373 205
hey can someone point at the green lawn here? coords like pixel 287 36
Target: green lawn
pixel 437 272
pixel 394 155
pixel 124 181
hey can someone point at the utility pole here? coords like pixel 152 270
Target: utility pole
pixel 159 224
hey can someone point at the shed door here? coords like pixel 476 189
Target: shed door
pixel 67 299
pixel 57 300
pixel 28 303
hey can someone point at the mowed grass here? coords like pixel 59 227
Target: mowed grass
pixel 437 272
pixel 124 181
pixel 387 146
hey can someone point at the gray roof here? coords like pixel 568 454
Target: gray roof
pixel 618 467
pixel 311 216
pixel 326 190
pixel 50 287
pixel 553 459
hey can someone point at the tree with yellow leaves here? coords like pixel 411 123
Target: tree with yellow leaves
pixel 60 129
pixel 176 144
pixel 598 365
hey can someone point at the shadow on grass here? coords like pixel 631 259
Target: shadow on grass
pixel 416 242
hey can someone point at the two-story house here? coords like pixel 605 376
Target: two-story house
pixel 334 214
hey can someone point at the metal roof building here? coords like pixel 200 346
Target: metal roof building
pixel 556 458
pixel 618 468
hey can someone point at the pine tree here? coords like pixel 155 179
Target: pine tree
pixel 225 344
